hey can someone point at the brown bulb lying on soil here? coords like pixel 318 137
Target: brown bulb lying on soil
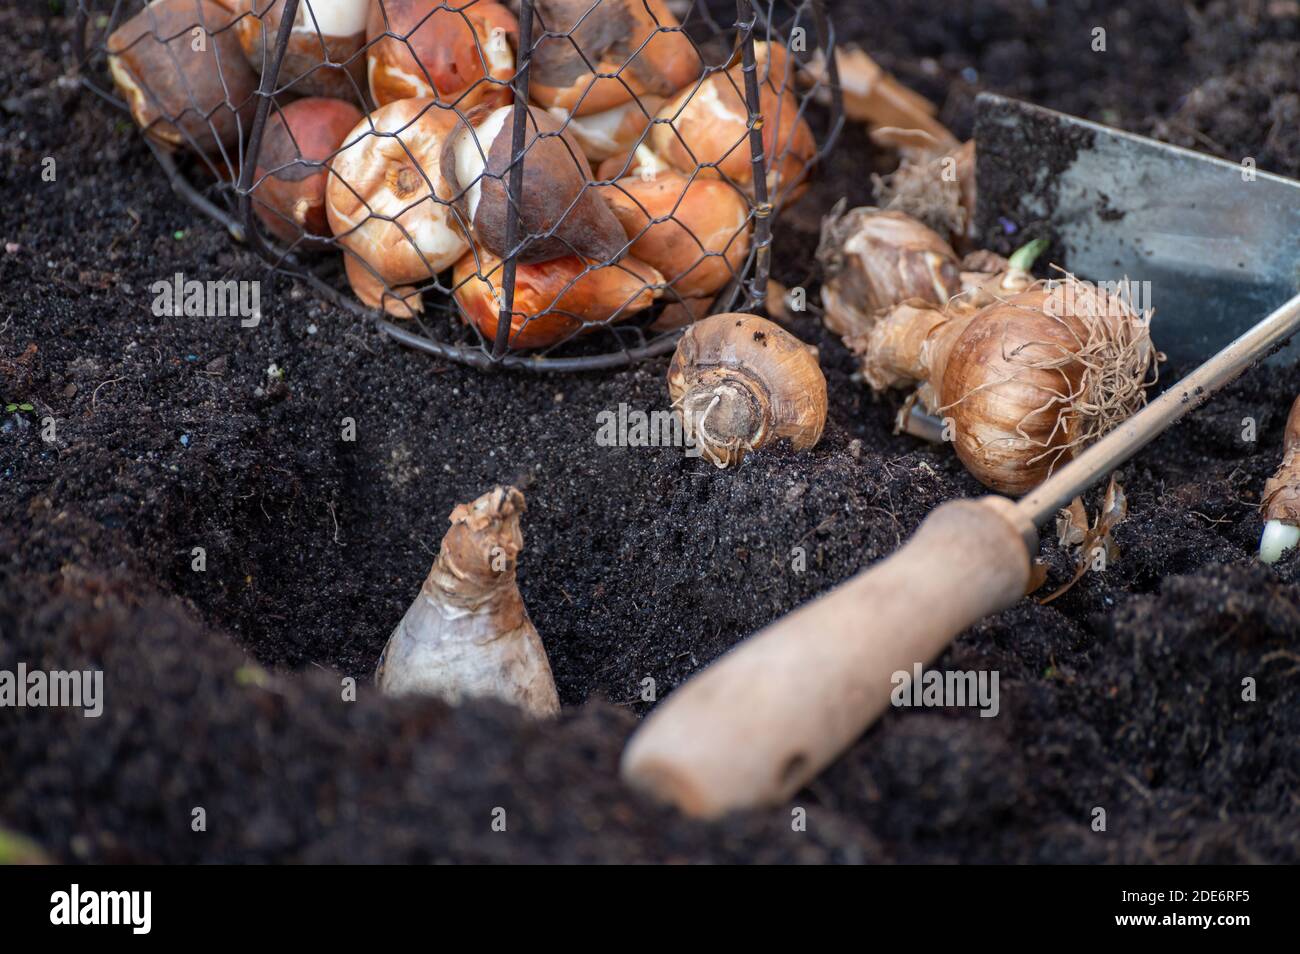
pixel 1281 505
pixel 289 194
pixel 447 51
pixel 387 206
pixel 555 299
pixel 468 635
pixel 180 95
pixel 706 127
pixel 1027 382
pixel 558 205
pixel 741 383
pixel 874 259
pixel 323 56
pixel 696 232
pixel 635 44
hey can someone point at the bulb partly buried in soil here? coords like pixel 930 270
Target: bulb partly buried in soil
pixel 1281 504
pixel 468 633
pixel 741 383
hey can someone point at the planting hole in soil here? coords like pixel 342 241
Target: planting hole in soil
pixel 812 331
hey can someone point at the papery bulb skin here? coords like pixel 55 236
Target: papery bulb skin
pixel 1028 381
pixel 459 54
pixel 634 45
pixel 614 132
pixel 292 171
pixel 876 259
pixel 560 212
pixel 323 56
pixel 553 300
pixel 704 131
pixel 1032 380
pixel 696 232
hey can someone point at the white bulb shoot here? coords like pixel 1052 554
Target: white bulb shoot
pixel 1281 503
pixel 1277 538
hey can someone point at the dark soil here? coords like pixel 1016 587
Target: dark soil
pixel 224 688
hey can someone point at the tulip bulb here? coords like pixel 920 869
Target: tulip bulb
pixel 1281 504
pixel 468 633
pixel 636 46
pixel 323 56
pixel 705 127
pixel 387 204
pixel 553 300
pixel 558 205
pixel 696 232
pixel 180 95
pixel 292 174
pixel 875 259
pixel 741 383
pixel 461 55
pixel 615 132
pixel 1028 381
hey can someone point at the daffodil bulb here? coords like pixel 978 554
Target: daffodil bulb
pixel 468 634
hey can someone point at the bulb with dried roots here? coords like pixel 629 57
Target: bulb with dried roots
pixel 741 383
pixel 1281 504
pixel 1027 381
pixel 468 634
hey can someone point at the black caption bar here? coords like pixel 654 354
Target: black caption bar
pixel 331 905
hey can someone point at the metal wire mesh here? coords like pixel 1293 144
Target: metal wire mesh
pixel 552 184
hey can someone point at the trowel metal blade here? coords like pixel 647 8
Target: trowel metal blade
pixel 1214 245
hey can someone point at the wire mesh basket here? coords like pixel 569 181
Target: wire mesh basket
pixel 550 184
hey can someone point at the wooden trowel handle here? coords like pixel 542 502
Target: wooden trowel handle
pixel 763 720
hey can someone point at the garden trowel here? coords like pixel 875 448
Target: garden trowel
pixel 1218 243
